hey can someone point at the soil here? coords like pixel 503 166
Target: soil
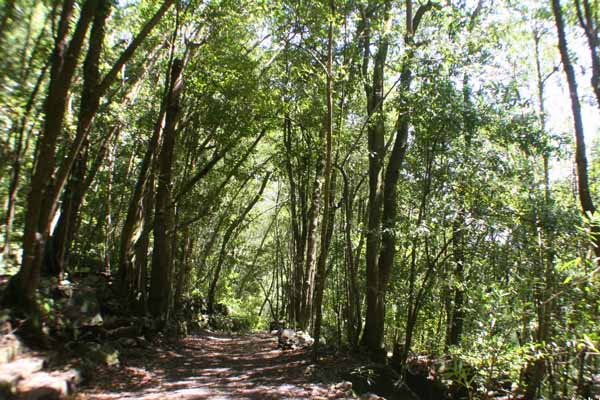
pixel 217 366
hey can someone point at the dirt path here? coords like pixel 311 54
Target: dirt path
pixel 212 366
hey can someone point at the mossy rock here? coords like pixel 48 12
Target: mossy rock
pixel 98 353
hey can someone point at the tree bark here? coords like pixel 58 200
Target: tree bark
pixel 326 224
pixel 93 92
pixel 383 240
pixel 134 216
pixel 21 291
pixel 585 198
pixel 373 331
pixel 162 260
pixel 589 24
pixel 296 221
pixel 59 244
pixel 310 264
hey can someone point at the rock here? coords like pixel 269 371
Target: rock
pixel 290 339
pixel 276 325
pixel 97 353
pixel 127 342
pixel 125 332
pixel 48 385
pixel 305 339
pixel 83 308
pixel 142 342
pixel 5 325
pixel 13 372
pixel 345 386
pixel 10 347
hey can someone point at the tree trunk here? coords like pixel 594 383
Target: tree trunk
pixel 185 267
pixel 21 291
pixel 212 290
pixel 139 284
pixel 162 260
pixel 589 23
pixel 326 224
pixel 96 89
pixel 536 369
pixel 373 332
pixel 21 148
pixel 585 198
pixel 298 238
pixel 59 245
pixel 134 217
pixel 378 274
pixel 353 312
pixel 458 230
pixel 57 249
pixel 455 321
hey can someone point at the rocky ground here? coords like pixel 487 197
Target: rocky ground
pixel 218 366
pixel 95 348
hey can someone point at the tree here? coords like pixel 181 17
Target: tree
pixel 585 198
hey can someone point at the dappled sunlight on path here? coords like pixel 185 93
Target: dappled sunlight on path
pixel 214 366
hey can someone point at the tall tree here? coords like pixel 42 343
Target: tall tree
pixel 162 256
pixel 383 193
pixel 21 291
pixel 327 221
pixel 583 185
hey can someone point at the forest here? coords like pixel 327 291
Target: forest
pixel 384 198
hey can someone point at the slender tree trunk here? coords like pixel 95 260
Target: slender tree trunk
pixel 536 369
pixel 326 229
pixel 108 230
pixel 77 187
pixel 298 238
pixel 185 267
pixel 456 318
pixel 58 245
pixel 134 216
pixel 589 23
pixel 139 286
pixel 162 260
pixel 458 232
pixel 212 290
pixel 354 320
pixel 585 198
pixel 21 148
pixel 373 332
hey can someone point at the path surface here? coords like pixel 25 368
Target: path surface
pixel 212 366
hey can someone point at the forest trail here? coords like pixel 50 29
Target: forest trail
pixel 212 366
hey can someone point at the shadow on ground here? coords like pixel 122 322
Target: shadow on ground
pixel 211 366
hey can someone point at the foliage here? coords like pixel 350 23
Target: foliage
pixel 488 230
